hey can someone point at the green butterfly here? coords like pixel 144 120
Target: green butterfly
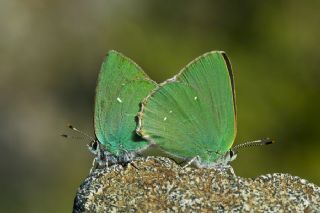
pixel 192 116
pixel 121 87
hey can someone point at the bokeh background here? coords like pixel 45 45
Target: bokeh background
pixel 51 52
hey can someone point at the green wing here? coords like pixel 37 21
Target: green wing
pixel 194 112
pixel 121 87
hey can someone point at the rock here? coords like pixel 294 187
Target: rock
pixel 158 184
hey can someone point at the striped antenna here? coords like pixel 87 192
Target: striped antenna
pixel 77 130
pixel 82 133
pixel 261 142
pixel 73 137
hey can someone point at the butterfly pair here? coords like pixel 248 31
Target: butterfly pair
pixel 191 116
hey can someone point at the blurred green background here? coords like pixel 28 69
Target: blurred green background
pixel 51 52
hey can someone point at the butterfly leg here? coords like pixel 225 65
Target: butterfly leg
pixel 94 165
pixel 232 171
pixel 228 169
pixel 191 161
pixel 134 165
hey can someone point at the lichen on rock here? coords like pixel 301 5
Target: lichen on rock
pixel 157 184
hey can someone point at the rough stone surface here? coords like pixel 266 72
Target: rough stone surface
pixel 159 185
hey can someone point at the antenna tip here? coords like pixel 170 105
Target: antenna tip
pixel 269 141
pixel 64 135
pixel 70 126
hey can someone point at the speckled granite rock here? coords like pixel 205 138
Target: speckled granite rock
pixel 159 185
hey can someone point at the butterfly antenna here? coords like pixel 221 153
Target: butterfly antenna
pixel 64 135
pixel 261 142
pixel 82 133
pixel 71 137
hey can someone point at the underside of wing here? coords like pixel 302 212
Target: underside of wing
pixel 194 112
pixel 121 87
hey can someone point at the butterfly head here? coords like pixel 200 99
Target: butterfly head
pixel 94 146
pixel 230 156
pixel 232 153
pixel 225 159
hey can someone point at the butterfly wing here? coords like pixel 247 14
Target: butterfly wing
pixel 121 87
pixel 194 112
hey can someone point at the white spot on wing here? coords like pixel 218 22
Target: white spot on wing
pixel 165 118
pixel 170 111
pixel 195 98
pixel 119 100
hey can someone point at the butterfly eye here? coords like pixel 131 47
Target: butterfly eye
pixel 231 153
pixel 94 145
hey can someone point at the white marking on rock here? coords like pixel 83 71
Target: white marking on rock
pixel 119 100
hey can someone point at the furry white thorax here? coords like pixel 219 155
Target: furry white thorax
pixel 105 159
pixel 223 161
